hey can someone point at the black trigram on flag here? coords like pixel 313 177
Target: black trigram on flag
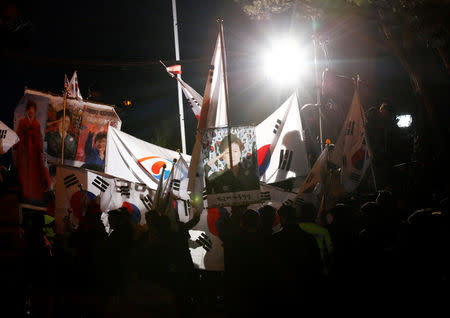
pixel 277 125
pixel 299 201
pixel 211 73
pixel 265 196
pixel 176 184
pixel 187 206
pixel 3 133
pixel 192 101
pixel 288 202
pixel 355 177
pixel 147 201
pixel 204 241
pixel 140 187
pixel 285 159
pixel 70 180
pixel 124 190
pixel 205 196
pixel 350 128
pixel 101 184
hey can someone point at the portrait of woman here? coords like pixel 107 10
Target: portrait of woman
pixel 236 176
pixel 29 157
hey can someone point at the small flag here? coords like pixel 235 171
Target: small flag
pixel 174 69
pixel 8 138
pixel 66 83
pixel 194 98
pixel 73 90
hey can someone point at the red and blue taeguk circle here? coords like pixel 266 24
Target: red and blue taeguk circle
pixel 154 166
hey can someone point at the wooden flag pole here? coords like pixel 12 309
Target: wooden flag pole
pixel 225 83
pixel 63 126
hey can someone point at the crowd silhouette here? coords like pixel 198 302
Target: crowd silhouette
pixel 358 255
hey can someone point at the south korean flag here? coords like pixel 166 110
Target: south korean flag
pixel 281 147
pixel 135 197
pixel 8 138
pixel 71 197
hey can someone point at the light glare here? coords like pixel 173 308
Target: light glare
pixel 404 121
pixel 285 62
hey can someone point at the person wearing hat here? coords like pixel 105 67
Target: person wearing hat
pixel 237 176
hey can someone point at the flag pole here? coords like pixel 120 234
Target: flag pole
pixel 63 126
pixel 225 83
pixel 315 40
pixel 358 80
pixel 177 57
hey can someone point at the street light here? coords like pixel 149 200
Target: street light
pixel 404 121
pixel 285 62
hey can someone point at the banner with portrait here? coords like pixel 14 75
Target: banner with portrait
pixel 83 124
pixel 231 178
pixel 41 122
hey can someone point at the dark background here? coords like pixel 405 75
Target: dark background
pixel 115 46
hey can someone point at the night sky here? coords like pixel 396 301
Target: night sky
pixel 115 46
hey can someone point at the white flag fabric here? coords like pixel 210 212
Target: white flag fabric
pixel 194 98
pixel 213 114
pixel 180 180
pixel 76 188
pixel 274 196
pixel 315 175
pixel 281 147
pixel 133 159
pixel 205 245
pixel 8 138
pixel 351 152
pixel 74 89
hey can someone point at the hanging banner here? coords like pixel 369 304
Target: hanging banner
pixel 84 126
pixel 231 179
pixel 76 188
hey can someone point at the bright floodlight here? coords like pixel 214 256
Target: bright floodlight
pixel 404 121
pixel 285 62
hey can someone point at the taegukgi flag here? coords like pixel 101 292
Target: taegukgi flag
pixel 174 69
pixel 213 114
pixel 194 98
pixel 8 138
pixel 77 188
pixel 281 146
pixel 73 89
pixel 351 152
